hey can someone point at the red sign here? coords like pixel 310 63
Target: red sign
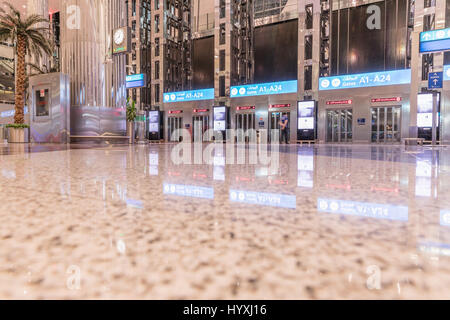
pixel 339 102
pixel 175 111
pixel 275 106
pixel 246 108
pixel 200 110
pixel 393 99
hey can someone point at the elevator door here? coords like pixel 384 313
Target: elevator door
pixel 244 122
pixel 340 125
pixel 386 124
pixel 174 123
pixel 274 123
pixel 200 126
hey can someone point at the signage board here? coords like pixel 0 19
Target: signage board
pixel 264 89
pixel 245 108
pixel 334 102
pixel 434 40
pixel 201 110
pixel 446 72
pixel 364 80
pixel 305 114
pixel 435 80
pixel 153 121
pixel 279 106
pixel 175 111
pixel 136 81
pixel 193 95
pixel 392 99
pixel 220 118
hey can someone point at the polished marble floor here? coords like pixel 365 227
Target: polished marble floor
pixel 324 222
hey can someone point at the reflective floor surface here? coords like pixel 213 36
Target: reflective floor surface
pixel 322 222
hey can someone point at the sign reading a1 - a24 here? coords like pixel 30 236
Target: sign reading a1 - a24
pixel 435 80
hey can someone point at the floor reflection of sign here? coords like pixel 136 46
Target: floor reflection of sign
pixel 264 199
pixel 364 209
pixel 188 191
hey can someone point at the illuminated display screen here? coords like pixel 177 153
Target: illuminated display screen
pixel 188 191
pixel 363 80
pixel 264 89
pixel 135 81
pixel 435 40
pixel 363 209
pixel 447 73
pixel 306 115
pixel 193 95
pixel 220 117
pixel 425 110
pixel 264 199
pixel 445 218
pixel 153 125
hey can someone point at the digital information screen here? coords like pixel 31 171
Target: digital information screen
pixel 425 110
pixel 306 115
pixel 220 117
pixel 153 125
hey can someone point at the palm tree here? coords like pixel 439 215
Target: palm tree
pixel 28 37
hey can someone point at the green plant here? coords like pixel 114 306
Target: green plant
pixel 131 110
pixel 18 126
pixel 28 37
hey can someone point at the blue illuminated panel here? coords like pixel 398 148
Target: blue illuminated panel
pixel 264 89
pixel 204 94
pixel 264 199
pixel 445 218
pixel 446 72
pixel 188 191
pixel 363 209
pixel 135 81
pixel 435 40
pixel 363 80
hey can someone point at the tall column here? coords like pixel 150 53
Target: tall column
pixel 97 77
pixel 39 7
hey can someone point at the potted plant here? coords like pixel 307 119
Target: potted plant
pixel 18 133
pixel 131 117
pixel 28 37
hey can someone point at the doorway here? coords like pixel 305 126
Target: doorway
pixel 274 123
pixel 200 126
pixel 174 123
pixel 340 125
pixel 385 124
pixel 244 122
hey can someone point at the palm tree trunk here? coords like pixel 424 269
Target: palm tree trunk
pixel 20 81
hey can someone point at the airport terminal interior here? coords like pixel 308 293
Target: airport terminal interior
pixel 225 149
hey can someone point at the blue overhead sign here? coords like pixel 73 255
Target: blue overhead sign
pixel 193 95
pixel 264 89
pixel 435 40
pixel 136 81
pixel 363 80
pixel 435 80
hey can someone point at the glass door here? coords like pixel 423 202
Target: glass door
pixel 174 123
pixel 339 125
pixel 385 124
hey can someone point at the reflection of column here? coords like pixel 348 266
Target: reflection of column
pixel 97 77
pixel 39 7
